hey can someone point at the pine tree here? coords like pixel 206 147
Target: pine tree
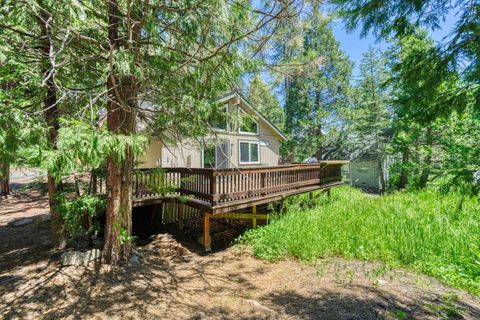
pixel 261 97
pixel 317 95
pixel 372 115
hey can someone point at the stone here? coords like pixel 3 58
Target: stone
pixel 20 222
pixel 258 305
pixel 72 258
pixel 77 258
pixel 91 255
pixel 134 261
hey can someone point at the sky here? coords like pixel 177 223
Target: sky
pixel 354 45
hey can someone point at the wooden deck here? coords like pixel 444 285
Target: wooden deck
pixel 217 191
pixel 220 193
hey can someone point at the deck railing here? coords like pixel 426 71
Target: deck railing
pixel 219 186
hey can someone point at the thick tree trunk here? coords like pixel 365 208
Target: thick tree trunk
pixel 51 118
pixel 402 182
pixel 121 118
pixel 4 180
pixel 422 183
pixel 118 227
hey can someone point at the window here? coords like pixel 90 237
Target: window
pixel 248 126
pixel 209 156
pixel 216 155
pixel 219 119
pixel 249 152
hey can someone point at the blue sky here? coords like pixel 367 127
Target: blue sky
pixel 354 46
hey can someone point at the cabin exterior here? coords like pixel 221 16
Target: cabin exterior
pixel 225 175
pixel 253 144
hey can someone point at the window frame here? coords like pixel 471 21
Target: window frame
pixel 249 151
pixel 246 132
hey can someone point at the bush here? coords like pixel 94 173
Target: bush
pixel 79 214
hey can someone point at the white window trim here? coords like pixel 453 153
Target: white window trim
pixel 249 153
pixel 226 121
pixel 249 133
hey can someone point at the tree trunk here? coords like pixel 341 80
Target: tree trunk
pixel 381 174
pixel 118 227
pixel 121 119
pixel 319 152
pixel 402 182
pixel 51 118
pixel 4 180
pixel 422 183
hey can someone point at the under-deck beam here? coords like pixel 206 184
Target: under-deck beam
pixel 207 241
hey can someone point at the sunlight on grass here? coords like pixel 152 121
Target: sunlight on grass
pixel 417 230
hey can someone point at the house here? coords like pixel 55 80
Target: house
pixel 256 142
pixel 226 174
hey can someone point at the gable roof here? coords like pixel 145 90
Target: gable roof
pixel 252 109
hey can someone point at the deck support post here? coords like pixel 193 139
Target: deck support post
pixel 328 192
pixel 310 195
pixel 181 214
pixel 206 232
pixel 254 220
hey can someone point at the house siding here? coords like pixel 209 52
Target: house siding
pixel 189 153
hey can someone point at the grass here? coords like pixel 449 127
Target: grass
pixel 418 230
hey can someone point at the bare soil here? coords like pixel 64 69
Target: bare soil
pixel 175 282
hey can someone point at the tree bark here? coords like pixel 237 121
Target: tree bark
pixel 319 152
pixel 381 174
pixel 422 183
pixel 121 118
pixel 4 180
pixel 402 182
pixel 50 113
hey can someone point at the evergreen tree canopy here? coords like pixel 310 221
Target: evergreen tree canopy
pixel 262 98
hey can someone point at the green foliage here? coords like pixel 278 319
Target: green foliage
pixel 160 183
pixel 460 51
pixel 261 97
pixel 417 230
pixel 460 155
pixel 77 214
pixel 317 95
pixel 81 147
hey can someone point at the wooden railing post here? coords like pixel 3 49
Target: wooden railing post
pixel 213 186
pixel 262 182
pixel 182 182
pixel 181 214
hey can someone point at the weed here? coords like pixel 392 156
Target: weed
pixel 414 229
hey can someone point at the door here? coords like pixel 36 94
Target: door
pixel 222 155
pixel 216 156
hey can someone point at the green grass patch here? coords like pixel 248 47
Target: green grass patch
pixel 418 230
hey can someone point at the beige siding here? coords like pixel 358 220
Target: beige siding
pixel 152 157
pixel 189 154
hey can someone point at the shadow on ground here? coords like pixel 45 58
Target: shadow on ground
pixel 175 281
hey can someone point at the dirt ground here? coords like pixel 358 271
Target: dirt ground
pixel 174 282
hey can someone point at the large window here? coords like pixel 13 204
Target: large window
pixel 248 125
pixel 249 152
pixel 219 119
